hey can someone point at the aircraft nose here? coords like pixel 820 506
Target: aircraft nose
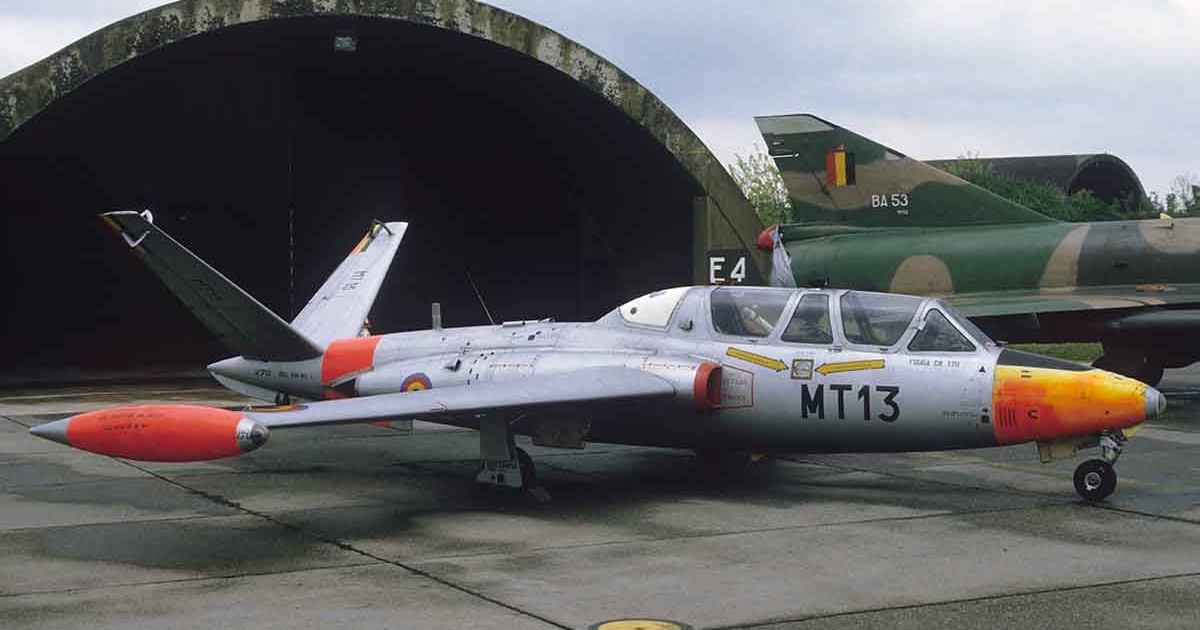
pixel 1156 403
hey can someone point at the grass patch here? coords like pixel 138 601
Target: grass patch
pixel 1082 352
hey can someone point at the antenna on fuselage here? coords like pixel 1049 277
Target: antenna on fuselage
pixel 480 296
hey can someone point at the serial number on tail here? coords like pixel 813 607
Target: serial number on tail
pixel 894 200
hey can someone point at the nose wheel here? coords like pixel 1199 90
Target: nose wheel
pixel 1095 479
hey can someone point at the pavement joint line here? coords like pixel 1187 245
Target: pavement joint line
pixel 16 462
pixel 64 484
pixel 1038 469
pixel 215 498
pixel 16 422
pixel 203 578
pixel 1050 473
pixel 165 519
pixel 964 600
pixel 973 461
pixel 445 582
pixel 1131 511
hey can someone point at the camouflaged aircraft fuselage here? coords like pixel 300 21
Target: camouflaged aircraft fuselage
pixel 874 219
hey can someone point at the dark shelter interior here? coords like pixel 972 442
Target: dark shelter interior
pixel 268 151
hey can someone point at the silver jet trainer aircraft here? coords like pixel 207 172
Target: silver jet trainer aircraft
pixel 707 368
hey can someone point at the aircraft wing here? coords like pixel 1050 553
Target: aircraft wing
pixel 582 391
pixel 1001 303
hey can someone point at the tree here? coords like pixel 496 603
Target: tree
pixel 1050 201
pixel 760 181
pixel 1184 187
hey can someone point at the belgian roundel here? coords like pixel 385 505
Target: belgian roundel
pixel 415 383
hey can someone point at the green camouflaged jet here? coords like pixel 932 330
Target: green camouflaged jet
pixel 874 219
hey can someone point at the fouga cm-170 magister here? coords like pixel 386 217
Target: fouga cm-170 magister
pixel 723 368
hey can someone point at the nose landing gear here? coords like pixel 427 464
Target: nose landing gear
pixel 1096 479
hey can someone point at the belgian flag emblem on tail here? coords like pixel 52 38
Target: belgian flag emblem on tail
pixel 839 167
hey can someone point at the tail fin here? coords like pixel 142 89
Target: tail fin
pixel 342 304
pixel 241 322
pixel 836 176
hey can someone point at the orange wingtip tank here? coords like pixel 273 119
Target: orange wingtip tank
pixel 159 433
pixel 1033 403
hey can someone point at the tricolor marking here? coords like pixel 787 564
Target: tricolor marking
pixel 839 167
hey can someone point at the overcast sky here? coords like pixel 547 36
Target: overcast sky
pixel 931 78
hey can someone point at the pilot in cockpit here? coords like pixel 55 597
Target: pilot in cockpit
pixel 753 322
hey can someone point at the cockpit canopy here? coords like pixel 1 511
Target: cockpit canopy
pixel 810 316
pixel 747 311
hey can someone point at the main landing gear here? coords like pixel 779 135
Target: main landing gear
pixel 1096 479
pixel 504 464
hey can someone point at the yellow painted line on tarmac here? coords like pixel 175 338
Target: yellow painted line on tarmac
pixel 640 624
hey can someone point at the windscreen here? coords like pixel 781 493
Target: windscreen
pixel 972 330
pixel 939 335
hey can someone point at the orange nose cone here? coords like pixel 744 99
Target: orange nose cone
pixel 164 433
pixel 1034 403
pixel 766 239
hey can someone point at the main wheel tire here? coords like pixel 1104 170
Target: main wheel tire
pixel 1095 480
pixel 528 471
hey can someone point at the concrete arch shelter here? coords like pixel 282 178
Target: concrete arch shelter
pixel 267 135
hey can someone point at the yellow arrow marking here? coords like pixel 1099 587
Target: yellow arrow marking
pixel 757 359
pixel 851 366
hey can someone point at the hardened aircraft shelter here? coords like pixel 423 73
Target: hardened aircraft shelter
pixel 266 136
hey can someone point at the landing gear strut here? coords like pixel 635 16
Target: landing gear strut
pixel 503 463
pixel 1096 479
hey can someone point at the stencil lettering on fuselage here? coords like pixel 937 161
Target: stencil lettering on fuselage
pixel 737 388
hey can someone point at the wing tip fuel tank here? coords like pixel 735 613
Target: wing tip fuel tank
pixel 160 433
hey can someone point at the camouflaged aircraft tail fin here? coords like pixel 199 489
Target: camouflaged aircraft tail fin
pixel 835 176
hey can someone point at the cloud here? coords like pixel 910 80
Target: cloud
pixel 933 78
pixel 31 31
